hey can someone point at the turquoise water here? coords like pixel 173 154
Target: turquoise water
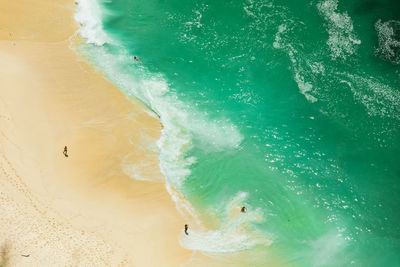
pixel 290 108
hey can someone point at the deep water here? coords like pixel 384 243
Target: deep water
pixel 290 108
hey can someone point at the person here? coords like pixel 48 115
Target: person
pixel 135 58
pixel 243 209
pixel 186 229
pixel 65 151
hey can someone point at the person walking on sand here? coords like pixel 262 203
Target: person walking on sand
pixel 186 229
pixel 65 151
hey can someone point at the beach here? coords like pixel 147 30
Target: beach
pixel 85 209
pixel 123 121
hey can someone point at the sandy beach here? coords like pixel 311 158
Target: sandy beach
pixel 85 209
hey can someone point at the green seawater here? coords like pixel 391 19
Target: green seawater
pixel 290 108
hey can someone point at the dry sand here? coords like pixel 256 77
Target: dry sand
pixel 82 210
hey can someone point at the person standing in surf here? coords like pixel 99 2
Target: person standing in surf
pixel 186 229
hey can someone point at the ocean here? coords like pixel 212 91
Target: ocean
pixel 289 108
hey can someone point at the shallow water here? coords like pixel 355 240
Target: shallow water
pixel 290 108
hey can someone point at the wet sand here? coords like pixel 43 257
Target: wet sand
pixel 84 209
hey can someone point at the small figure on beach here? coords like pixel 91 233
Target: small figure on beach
pixel 186 229
pixel 243 209
pixel 65 152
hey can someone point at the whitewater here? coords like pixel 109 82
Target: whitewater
pixel 290 108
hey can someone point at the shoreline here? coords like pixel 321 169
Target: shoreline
pixel 83 209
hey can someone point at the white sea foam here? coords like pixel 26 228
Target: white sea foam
pixel 182 122
pixel 389 40
pixel 88 14
pixel 135 171
pixel 141 168
pixel 378 98
pixel 232 235
pixel 342 40
pixel 304 84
